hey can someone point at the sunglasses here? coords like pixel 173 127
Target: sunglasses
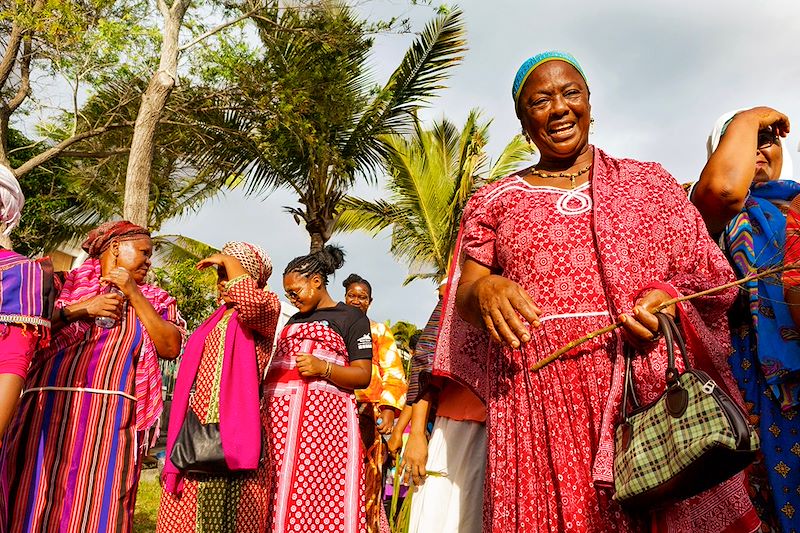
pixel 294 295
pixel 766 138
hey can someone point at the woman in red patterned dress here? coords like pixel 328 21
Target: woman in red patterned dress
pixel 224 362
pixel 547 255
pixel 316 458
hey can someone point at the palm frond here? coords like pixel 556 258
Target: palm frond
pixel 435 276
pixel 174 249
pixel 422 72
pixel 363 215
pixel 517 153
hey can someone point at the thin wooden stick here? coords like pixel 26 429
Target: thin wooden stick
pixel 577 342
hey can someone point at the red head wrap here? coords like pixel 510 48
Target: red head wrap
pixel 101 237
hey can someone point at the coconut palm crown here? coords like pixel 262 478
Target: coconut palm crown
pixel 310 117
pixel 432 174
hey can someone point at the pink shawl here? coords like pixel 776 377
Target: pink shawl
pixel 83 283
pixel 647 235
pixel 239 415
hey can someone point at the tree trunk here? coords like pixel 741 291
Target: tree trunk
pixel 320 229
pixel 154 100
pixel 317 242
pixel 140 160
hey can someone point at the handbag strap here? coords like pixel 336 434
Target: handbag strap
pixel 629 389
pixel 672 336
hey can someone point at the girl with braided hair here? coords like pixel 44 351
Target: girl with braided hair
pixel 315 455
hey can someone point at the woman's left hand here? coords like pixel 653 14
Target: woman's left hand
pixel 310 366
pixel 641 327
pixel 122 279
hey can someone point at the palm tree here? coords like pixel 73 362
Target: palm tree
pixel 307 116
pixel 432 174
pixel 402 332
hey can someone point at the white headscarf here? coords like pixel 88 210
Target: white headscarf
pixel 719 130
pixel 11 199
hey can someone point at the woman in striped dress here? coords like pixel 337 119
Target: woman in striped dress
pixel 26 302
pixel 72 455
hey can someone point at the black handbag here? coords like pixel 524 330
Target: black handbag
pixel 198 446
pixel 693 437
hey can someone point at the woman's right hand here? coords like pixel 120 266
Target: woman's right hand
pixel 106 304
pixel 415 457
pixel 395 442
pixel 500 303
pixel 768 117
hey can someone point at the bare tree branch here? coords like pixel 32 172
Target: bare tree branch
pixel 10 55
pixel 57 150
pixel 219 28
pixel 94 155
pixel 163 8
pixel 25 77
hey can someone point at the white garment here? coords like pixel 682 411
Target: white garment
pixel 452 504
pixel 11 199
pixel 719 130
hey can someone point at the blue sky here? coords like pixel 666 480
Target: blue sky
pixel 660 73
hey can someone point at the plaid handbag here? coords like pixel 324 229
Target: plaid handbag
pixel 693 437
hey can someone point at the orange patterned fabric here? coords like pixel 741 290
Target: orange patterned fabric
pixel 388 385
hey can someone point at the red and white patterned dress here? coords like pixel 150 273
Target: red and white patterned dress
pixel 584 256
pixel 554 409
pixel 316 456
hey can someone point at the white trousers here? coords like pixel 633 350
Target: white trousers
pixel 452 504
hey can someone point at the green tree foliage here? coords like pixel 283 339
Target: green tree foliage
pixel 306 115
pixel 432 174
pixel 195 290
pixel 99 173
pixel 402 332
pixel 47 194
pixel 48 43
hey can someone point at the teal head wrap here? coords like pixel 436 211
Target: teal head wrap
pixel 531 63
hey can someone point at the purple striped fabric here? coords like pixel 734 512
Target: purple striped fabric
pixel 422 362
pixel 70 458
pixel 26 289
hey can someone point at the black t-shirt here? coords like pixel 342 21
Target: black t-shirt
pixel 349 322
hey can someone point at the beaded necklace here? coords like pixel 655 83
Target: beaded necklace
pixel 570 175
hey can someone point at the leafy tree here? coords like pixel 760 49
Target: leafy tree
pixel 195 290
pixel 102 47
pixel 432 174
pixel 75 40
pixel 47 194
pixel 306 116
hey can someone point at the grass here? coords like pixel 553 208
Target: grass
pixel 146 513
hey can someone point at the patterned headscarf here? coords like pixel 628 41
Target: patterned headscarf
pixel 531 63
pixel 101 237
pixel 253 258
pixel 11 199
